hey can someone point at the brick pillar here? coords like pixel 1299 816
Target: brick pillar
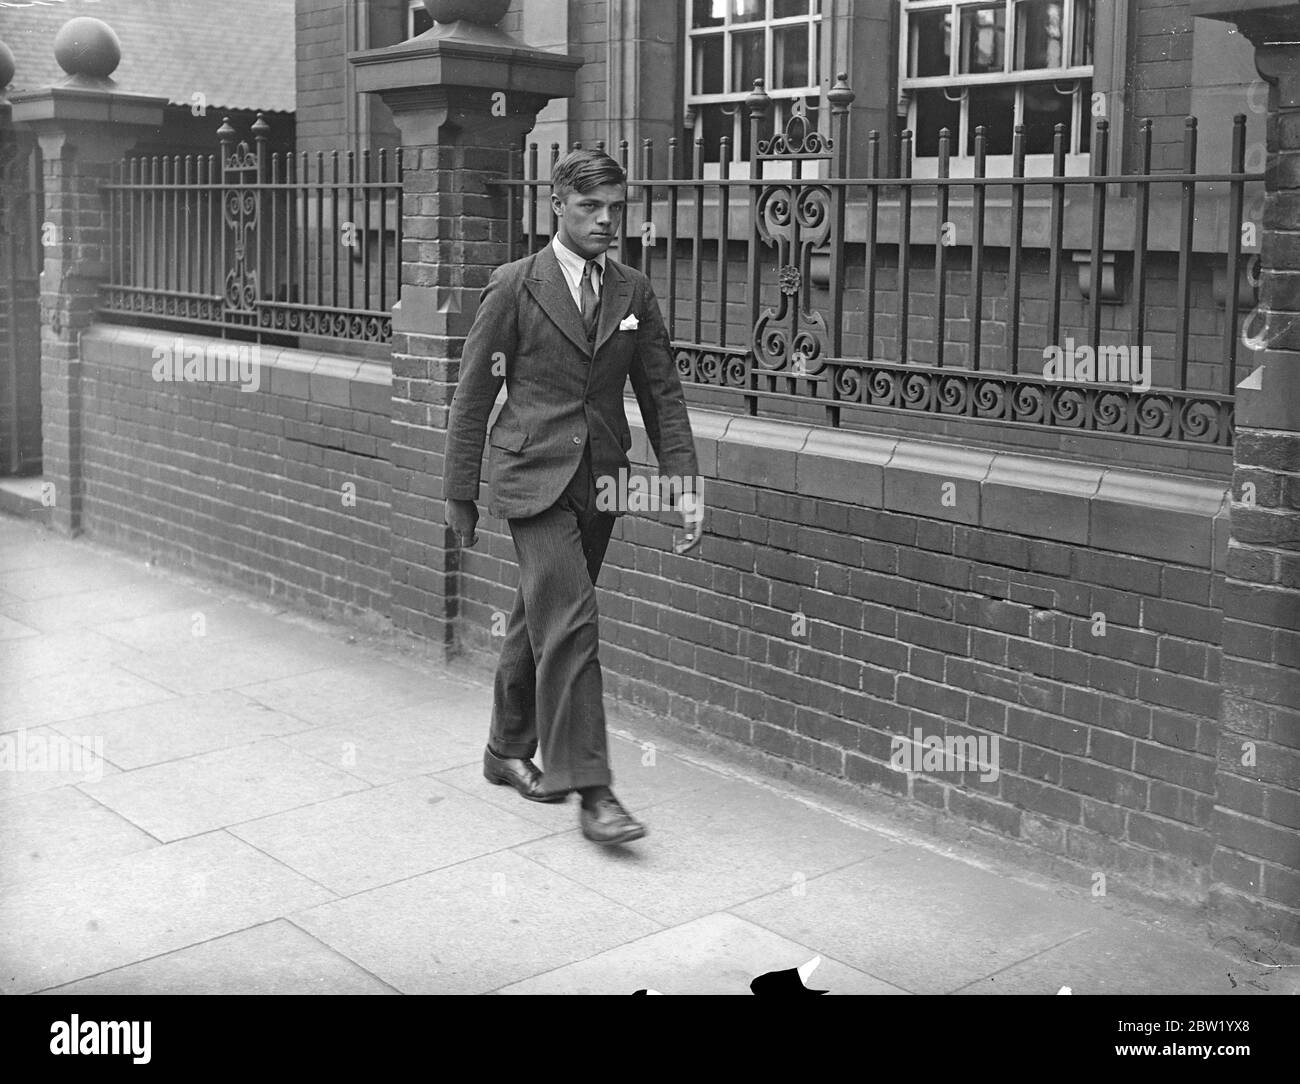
pixel 463 97
pixel 82 124
pixel 1256 865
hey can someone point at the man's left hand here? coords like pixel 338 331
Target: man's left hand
pixel 692 508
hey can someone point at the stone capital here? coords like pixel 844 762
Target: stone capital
pixel 101 123
pixel 452 115
pixel 1279 66
pixel 462 81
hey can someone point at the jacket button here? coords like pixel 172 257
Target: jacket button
pixel 577 440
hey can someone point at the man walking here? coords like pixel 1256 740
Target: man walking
pixel 564 329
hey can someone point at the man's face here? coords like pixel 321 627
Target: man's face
pixel 589 221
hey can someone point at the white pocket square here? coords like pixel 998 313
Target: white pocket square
pixel 630 323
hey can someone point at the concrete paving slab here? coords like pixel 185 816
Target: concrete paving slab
pixel 386 748
pixel 15 630
pixel 384 835
pixel 639 786
pixel 198 794
pixel 716 954
pixel 18 552
pixel 274 958
pixel 87 572
pixel 183 726
pixel 553 816
pixel 709 850
pixel 61 831
pixel 26 658
pixel 59 929
pixel 358 690
pixel 645 776
pixel 202 667
pixel 88 609
pixel 1122 956
pixel 74 694
pixel 40 758
pixel 922 921
pixel 473 927
pixel 211 621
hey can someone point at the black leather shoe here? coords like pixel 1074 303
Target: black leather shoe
pixel 609 822
pixel 520 773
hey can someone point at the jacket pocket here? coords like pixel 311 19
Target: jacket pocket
pixel 512 440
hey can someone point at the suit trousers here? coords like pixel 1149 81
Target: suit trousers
pixel 548 691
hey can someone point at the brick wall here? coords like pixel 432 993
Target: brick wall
pixel 321 112
pixel 588 115
pixel 248 487
pixel 1160 76
pixel 818 629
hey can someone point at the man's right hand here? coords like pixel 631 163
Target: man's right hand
pixel 462 517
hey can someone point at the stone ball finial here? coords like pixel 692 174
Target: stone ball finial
pixel 86 46
pixel 6 65
pixel 480 12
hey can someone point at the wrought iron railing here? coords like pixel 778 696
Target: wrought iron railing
pixel 258 241
pixel 790 290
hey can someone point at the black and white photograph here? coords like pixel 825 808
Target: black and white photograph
pixel 650 497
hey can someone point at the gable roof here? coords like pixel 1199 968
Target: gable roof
pixel 239 54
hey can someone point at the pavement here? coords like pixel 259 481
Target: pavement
pixel 203 793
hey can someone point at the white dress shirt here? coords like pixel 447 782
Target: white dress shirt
pixel 572 264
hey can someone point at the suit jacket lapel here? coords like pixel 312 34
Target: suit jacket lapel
pixel 547 284
pixel 615 293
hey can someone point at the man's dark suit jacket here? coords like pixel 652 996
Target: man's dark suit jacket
pixel 562 388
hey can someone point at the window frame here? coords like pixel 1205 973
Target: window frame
pixel 960 163
pixel 412 6
pixel 783 98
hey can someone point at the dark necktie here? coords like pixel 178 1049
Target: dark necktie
pixel 590 303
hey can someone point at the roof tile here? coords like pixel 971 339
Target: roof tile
pixel 239 54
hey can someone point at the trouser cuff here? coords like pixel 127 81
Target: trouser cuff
pixel 524 749
pixel 553 782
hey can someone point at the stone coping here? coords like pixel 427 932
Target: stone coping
pixel 329 379
pixel 1138 513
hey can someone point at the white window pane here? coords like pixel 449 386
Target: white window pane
pixel 746 59
pixel 708 12
pixel 708 65
pixel 1040 34
pixel 748 11
pixel 790 67
pixel 931 33
pixel 983 34
pixel 1083 32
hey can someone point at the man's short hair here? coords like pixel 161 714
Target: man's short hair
pixel 582 170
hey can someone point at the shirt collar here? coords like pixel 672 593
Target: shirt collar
pixel 572 260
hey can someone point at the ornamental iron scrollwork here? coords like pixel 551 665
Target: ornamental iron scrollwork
pixel 239 212
pixel 1197 418
pixel 800 138
pixel 794 218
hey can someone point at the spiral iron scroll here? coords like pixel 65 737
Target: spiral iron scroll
pixel 239 207
pixel 1188 417
pixel 795 219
